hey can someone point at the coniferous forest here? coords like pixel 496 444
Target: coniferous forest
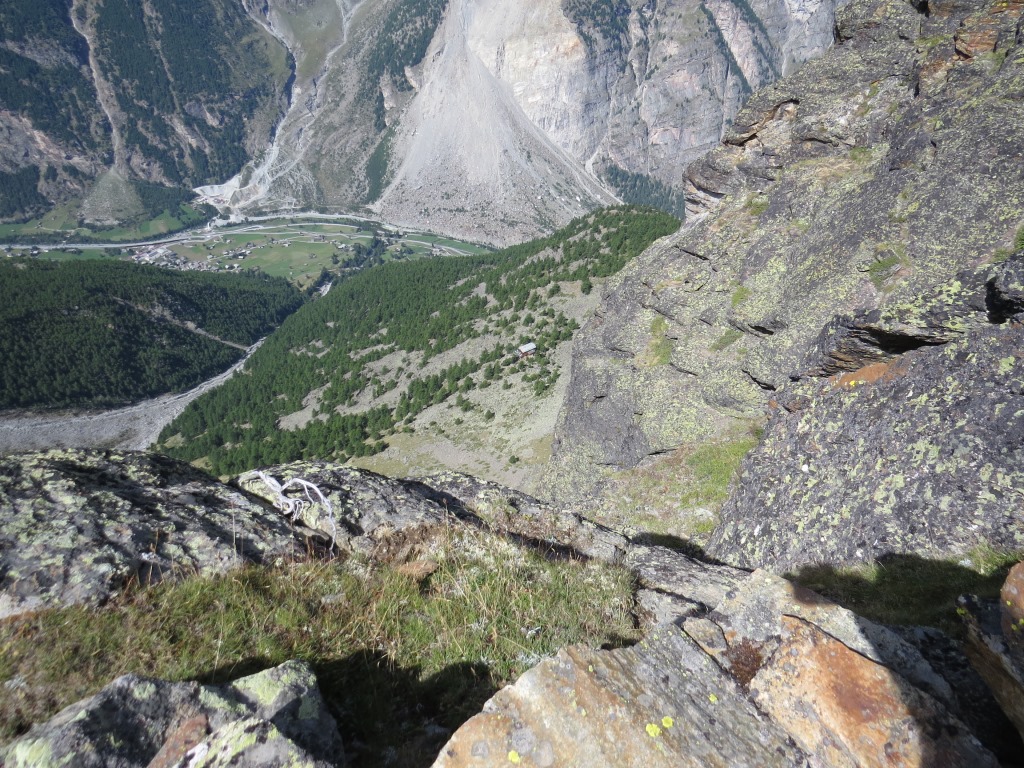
pixel 423 308
pixel 99 333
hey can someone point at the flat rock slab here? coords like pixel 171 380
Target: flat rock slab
pixel 272 719
pixel 77 526
pixel 661 704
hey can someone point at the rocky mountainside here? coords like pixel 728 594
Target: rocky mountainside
pixel 496 121
pixel 849 297
pixel 499 120
pixel 736 668
pixel 869 178
pixel 110 104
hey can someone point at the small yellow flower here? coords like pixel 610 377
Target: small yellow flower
pixel 514 758
pixel 667 722
pixel 653 730
pixel 712 698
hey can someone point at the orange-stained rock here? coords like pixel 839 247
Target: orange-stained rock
pixel 661 704
pixel 1011 599
pixel 846 710
pixel 983 32
pixel 752 615
pixel 184 738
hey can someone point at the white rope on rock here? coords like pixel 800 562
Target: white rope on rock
pixel 293 507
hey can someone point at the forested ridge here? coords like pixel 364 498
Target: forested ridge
pixel 44 78
pixel 95 333
pixel 206 63
pixel 198 87
pixel 421 309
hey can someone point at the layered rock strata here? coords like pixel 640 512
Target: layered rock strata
pixel 832 193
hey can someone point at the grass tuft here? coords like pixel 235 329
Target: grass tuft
pixel 881 270
pixel 400 661
pixel 713 467
pixel 730 337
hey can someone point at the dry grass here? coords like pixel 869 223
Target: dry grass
pixel 401 661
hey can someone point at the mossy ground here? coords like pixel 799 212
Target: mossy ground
pixel 674 500
pixel 401 659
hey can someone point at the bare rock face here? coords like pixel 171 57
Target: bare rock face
pixel 774 675
pixel 897 452
pixel 79 526
pixel 515 118
pixel 272 719
pixel 995 644
pixel 830 195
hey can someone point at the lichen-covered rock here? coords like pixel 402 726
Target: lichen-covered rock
pixel 920 454
pixel 356 507
pixel 661 704
pixel 671 585
pixel 511 511
pixel 272 719
pixel 78 526
pixel 868 177
pixel 365 511
pixel 774 675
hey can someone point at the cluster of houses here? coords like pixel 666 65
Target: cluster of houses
pixel 162 256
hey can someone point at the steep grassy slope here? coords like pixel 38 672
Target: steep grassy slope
pixel 103 333
pixel 387 344
pixel 401 661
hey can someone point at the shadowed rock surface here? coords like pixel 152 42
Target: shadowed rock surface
pixel 995 644
pixel 920 452
pixel 270 719
pixel 869 177
pixel 78 526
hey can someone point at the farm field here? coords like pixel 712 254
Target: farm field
pixel 295 248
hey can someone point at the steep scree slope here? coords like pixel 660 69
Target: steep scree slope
pixel 867 178
pixel 518 117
